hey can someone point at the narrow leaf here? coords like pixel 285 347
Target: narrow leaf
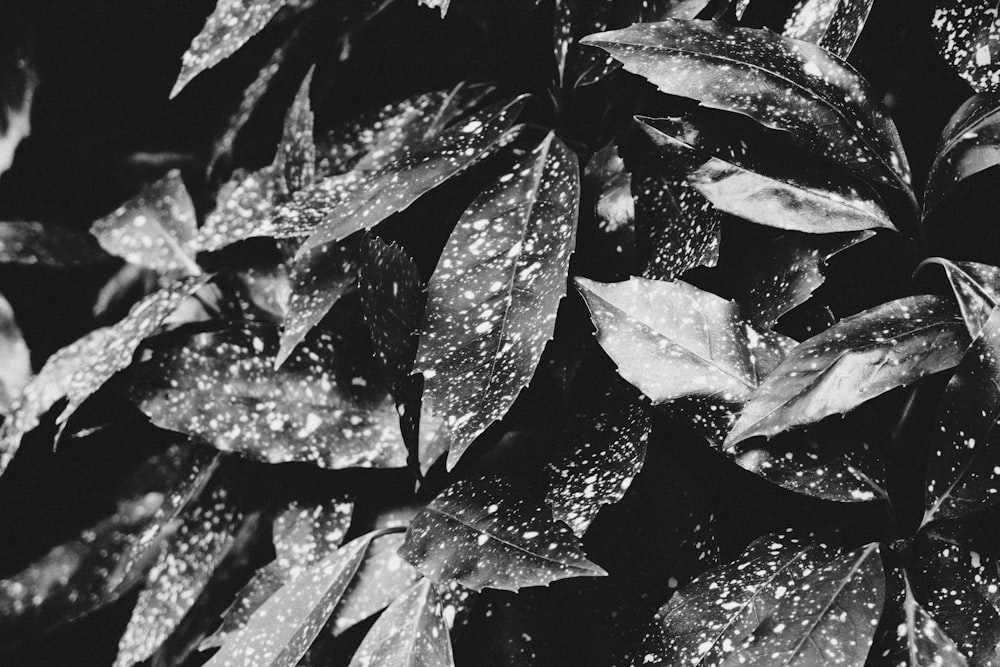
pixel 297 150
pixel 966 34
pixel 833 24
pixel 15 111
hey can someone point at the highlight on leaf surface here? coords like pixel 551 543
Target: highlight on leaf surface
pixel 976 287
pixel 967 37
pixel 485 533
pixel 833 24
pixel 15 359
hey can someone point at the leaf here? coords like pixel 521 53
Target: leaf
pixel 857 359
pixel 188 560
pixel 604 452
pixel 15 110
pixel 787 273
pixel 493 297
pixel 15 359
pixel 833 24
pixel 243 210
pixel 969 144
pixel 304 534
pixel 281 630
pixel 398 184
pixel 783 602
pixel 966 35
pixel 484 533
pixel 78 370
pixel 222 386
pixel 976 287
pixel 920 641
pixel 770 184
pixel 228 27
pixel 156 228
pixel 808 92
pixel 297 150
pixel 46 245
pixel 412 631
pixel 614 206
pixel 436 4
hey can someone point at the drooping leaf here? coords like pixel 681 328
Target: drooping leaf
pixel 920 641
pixel 185 565
pixel 15 359
pixel 493 298
pixel 222 387
pixel 809 92
pixel 833 24
pixel 787 273
pixel 46 245
pixel 304 534
pixel 411 632
pixel 969 144
pixel 398 184
pixel 228 27
pixel 857 359
pixel 280 632
pixel 770 184
pixel 484 533
pixel 967 37
pixel 783 602
pixel 78 370
pixel 156 228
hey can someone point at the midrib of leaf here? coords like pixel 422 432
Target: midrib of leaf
pixel 965 128
pixel 177 250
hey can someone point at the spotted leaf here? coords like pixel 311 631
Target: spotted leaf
pixel 770 184
pixel 412 631
pixel 967 35
pixel 78 370
pixel 15 359
pixel 222 387
pixel 857 359
pixel 46 245
pixel 297 150
pixel 280 632
pixel 919 640
pixel 976 287
pixel 485 533
pixel 833 24
pixel 398 184
pixel 492 299
pixel 784 602
pixel 155 229
pixel 808 92
pixel 969 144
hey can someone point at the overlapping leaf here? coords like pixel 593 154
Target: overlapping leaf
pixel 485 533
pixel 833 24
pixel 976 287
pixel 411 632
pixel 46 245
pixel 969 144
pixel 967 34
pixel 859 358
pixel 493 298
pixel 614 206
pixel 15 359
pixel 770 184
pixel 809 92
pixel 222 387
pixel 78 370
pixel 782 602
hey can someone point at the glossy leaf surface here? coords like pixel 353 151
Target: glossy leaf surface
pixel 833 24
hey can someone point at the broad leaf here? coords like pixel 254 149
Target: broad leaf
pixel 46 245
pixel 155 229
pixel 15 359
pixel 399 183
pixel 967 35
pixel 411 632
pixel 78 370
pixel 833 24
pixel 770 184
pixel 281 630
pixel 222 387
pixel 485 533
pixel 808 92
pixel 493 298
pixel 228 27
pixel 920 641
pixel 857 359
pixel 783 602
pixel 969 144
pixel 976 287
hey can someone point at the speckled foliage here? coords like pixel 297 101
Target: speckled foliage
pixel 833 24
pixel 967 38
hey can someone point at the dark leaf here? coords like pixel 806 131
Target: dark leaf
pixel 969 144
pixel 411 632
pixel 784 602
pixel 155 229
pixel 15 359
pixel 857 359
pixel 920 641
pixel 833 24
pixel 771 184
pixel 492 300
pixel 15 107
pixel 967 34
pixel 485 534
pixel 976 287
pixel 282 629
pixel 78 370
pixel 46 245
pixel 808 92
pixel 399 183
pixel 222 387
